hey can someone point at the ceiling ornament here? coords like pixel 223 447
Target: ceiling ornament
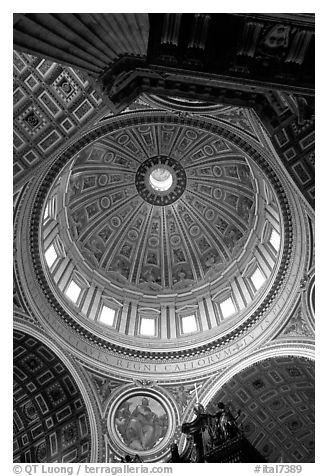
pixel 160 180
pixel 297 325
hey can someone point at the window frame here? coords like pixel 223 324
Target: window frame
pixel 221 301
pixel 82 283
pixel 148 313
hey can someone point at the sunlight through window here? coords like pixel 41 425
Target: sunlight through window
pixel 73 291
pixel 50 255
pixel 147 326
pixel 258 279
pixel 46 212
pixel 275 239
pixel 188 324
pixel 227 307
pixel 107 316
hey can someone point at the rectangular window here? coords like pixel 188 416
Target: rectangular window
pixel 50 255
pixel 147 326
pixel 227 307
pixel 73 291
pixel 257 279
pixel 188 324
pixel 46 212
pixel 275 239
pixel 107 316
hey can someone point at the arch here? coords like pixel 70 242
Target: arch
pixel 296 349
pixel 79 380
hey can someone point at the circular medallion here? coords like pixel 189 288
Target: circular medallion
pixel 109 156
pixel 115 221
pixel 30 411
pixel 209 214
pixel 41 453
pixel 103 179
pixel 153 241
pixel 217 170
pixel 133 235
pixel 142 421
pixel 160 180
pixel 105 202
pixel 194 230
pixel 175 240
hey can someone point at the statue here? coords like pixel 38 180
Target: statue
pixel 225 423
pixel 196 431
pixel 75 187
pixel 182 281
pixel 207 432
pixel 148 280
pixel 119 271
pixel 175 457
pixel 77 223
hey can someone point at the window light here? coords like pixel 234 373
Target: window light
pixel 188 324
pixel 50 255
pixel 147 326
pixel 73 291
pixel 227 307
pixel 46 212
pixel 107 316
pixel 257 278
pixel 275 239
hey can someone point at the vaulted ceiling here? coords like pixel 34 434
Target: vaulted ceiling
pixel 51 422
pixel 276 399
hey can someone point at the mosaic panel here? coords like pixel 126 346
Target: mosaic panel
pixel 141 423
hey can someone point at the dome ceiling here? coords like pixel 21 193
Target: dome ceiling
pixel 161 228
pixel 160 206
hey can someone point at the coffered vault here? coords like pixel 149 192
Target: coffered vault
pixel 163 253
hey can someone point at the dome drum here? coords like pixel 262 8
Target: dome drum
pixel 194 243
pixel 218 298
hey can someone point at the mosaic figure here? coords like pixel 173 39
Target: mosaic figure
pixel 143 427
